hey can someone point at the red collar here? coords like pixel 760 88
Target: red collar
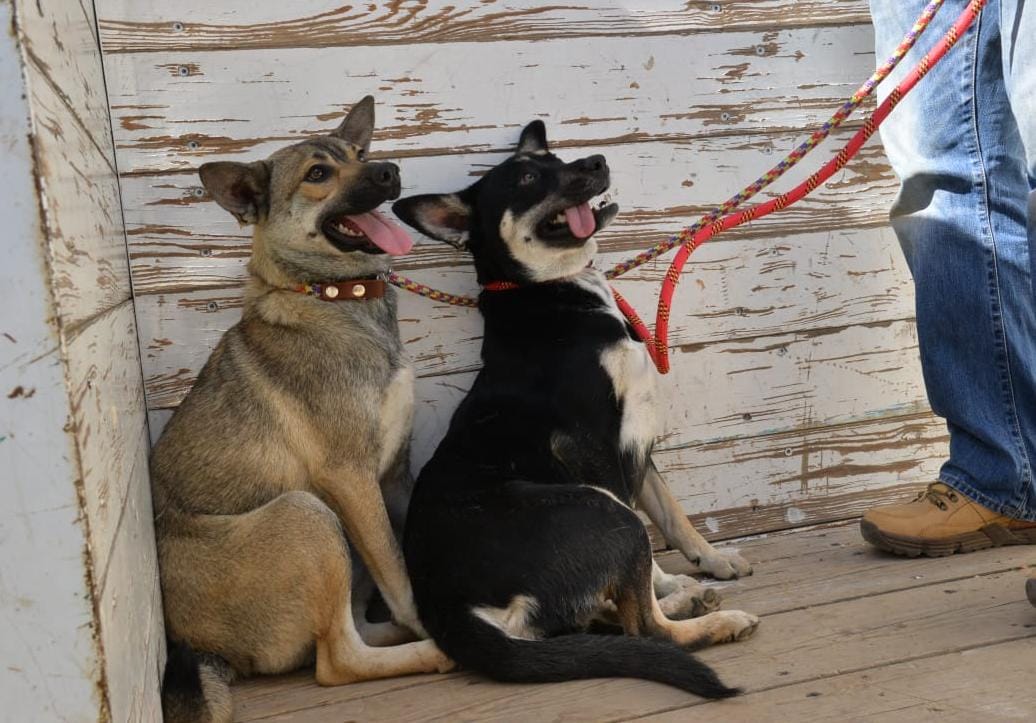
pixel 348 290
pixel 511 285
pixel 500 286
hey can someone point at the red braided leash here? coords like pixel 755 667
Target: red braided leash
pixel 657 343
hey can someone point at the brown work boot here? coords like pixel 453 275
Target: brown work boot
pixel 942 521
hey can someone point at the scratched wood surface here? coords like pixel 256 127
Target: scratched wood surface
pixel 793 333
pixel 173 110
pixel 847 633
pixel 88 274
pixel 131 26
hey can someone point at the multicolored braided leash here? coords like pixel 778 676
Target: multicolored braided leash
pixel 722 218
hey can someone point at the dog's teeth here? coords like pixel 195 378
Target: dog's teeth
pixel 560 218
pixel 347 231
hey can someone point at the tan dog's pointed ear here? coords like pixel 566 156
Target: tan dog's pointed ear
pixel 241 188
pixel 358 126
pixel 442 216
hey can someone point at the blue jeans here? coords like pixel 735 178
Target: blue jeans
pixel 963 144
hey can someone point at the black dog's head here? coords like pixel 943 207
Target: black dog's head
pixel 529 219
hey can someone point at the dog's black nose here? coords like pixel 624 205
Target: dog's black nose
pixel 592 164
pixel 384 174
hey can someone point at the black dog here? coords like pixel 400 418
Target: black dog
pixel 520 531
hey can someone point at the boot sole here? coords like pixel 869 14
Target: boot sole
pixel 989 536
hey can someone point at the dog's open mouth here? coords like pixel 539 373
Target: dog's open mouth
pixel 577 223
pixel 369 232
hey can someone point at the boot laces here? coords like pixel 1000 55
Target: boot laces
pixel 937 493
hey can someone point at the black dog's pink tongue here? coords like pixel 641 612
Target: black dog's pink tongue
pixel 580 220
pixel 384 234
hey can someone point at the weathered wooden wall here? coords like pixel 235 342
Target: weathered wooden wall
pixel 82 631
pixel 795 397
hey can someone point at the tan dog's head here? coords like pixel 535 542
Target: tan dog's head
pixel 313 205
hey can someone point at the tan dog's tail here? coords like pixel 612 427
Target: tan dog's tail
pixel 195 687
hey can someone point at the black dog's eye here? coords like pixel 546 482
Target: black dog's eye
pixel 316 174
pixel 527 178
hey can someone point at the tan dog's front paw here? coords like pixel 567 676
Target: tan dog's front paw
pixel 734 625
pixel 725 565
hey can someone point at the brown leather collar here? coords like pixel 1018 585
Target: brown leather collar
pixel 348 290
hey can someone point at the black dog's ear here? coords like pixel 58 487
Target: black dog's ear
pixel 241 188
pixel 358 126
pixel 533 139
pixel 442 216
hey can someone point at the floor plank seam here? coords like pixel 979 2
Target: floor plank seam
pixel 891 591
pixel 849 671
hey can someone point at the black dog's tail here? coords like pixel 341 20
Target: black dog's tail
pixel 195 687
pixel 484 648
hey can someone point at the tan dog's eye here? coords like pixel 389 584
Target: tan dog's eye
pixel 361 155
pixel 318 174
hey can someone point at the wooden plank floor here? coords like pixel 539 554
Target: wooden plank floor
pixel 847 633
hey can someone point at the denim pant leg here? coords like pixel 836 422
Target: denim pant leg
pixel 961 219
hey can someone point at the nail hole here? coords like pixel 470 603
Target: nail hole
pixel 715 8
pixel 177 27
pixel 760 50
pixel 788 452
pixel 740 311
pixel 212 306
pixel 724 116
pixel 198 192
pixel 206 252
pixel 747 417
pixel 184 71
pixel 192 145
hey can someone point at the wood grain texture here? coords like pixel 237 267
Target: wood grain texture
pixel 463 97
pixel 180 239
pixel 74 159
pixel 48 643
pixel 109 417
pixel 195 25
pixel 906 692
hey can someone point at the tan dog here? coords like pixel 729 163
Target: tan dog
pixel 297 429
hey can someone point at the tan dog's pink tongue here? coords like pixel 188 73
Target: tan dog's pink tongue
pixel 384 234
pixel 580 220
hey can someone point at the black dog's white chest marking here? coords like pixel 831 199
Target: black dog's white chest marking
pixel 632 374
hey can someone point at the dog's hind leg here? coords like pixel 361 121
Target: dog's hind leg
pixel 663 509
pixel 344 657
pixel 640 613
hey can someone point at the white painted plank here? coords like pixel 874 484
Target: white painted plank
pixel 146 25
pixel 823 467
pixel 130 606
pixel 87 246
pixel 180 239
pixel 109 417
pixel 175 110
pixel 50 661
